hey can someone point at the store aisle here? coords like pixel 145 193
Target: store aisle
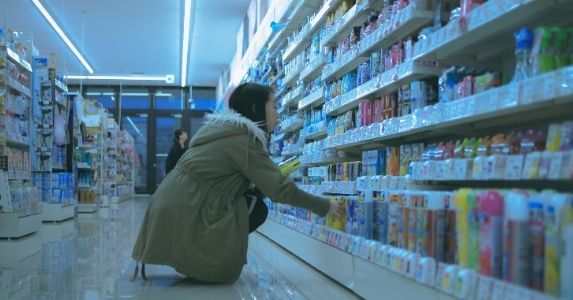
pixel 89 258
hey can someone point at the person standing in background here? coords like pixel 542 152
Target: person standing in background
pixel 177 150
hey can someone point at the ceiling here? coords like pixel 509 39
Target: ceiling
pixel 125 37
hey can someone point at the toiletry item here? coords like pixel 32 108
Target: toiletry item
pixel 537 238
pixel 516 264
pixel 553 244
pixel 523 47
pixel 432 236
pixel 467 226
pixel 567 255
pixel 491 209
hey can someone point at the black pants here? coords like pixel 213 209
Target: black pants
pixel 259 212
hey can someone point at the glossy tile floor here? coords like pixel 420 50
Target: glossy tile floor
pixel 89 258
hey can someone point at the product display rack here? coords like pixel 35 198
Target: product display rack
pixel 125 166
pixel 89 156
pixel 20 211
pixel 49 162
pixel 368 153
pixel 110 180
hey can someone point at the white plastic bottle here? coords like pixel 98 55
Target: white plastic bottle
pixel 516 264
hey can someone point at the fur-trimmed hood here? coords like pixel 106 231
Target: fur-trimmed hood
pixel 227 123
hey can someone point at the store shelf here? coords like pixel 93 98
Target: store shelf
pixel 87 208
pixel 17 86
pixel 478 37
pixel 335 263
pixel 16 58
pixel 313 100
pixel 348 62
pixel 371 281
pixel 313 69
pixel 319 135
pixel 530 101
pixel 292 77
pixel 56 212
pixel 17 144
pixel 292 98
pixel 330 161
pixel 384 83
pixel 293 126
pixel 60 85
pixel 562 185
pixel 408 20
pixel 293 153
pixel 302 41
pixel 12 225
pixel 84 166
pixel 296 16
pixel 354 17
pixel 18 175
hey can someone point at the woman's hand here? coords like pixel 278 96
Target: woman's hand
pixel 336 208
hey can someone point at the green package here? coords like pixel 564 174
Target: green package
pixel 290 165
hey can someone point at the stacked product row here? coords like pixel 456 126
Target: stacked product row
pixel 18 195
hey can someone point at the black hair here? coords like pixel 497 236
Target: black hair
pixel 177 134
pixel 249 100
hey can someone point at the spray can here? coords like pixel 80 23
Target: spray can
pixel 421 231
pixel 405 221
pixel 516 264
pixel 414 203
pixel 537 240
pixel 394 219
pixel 553 244
pixel 490 233
pixel 433 239
pixel 567 257
pixel 467 225
pixel 451 244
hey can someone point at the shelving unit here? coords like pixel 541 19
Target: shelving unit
pixel 361 276
pixel 51 174
pixel 417 49
pixel 110 180
pixel 125 167
pixel 19 208
pixel 89 157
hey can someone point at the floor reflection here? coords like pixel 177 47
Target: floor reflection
pixel 89 257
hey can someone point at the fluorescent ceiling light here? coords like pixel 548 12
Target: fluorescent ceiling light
pixel 185 46
pixel 99 94
pixel 164 94
pixel 134 126
pixel 165 78
pixel 62 35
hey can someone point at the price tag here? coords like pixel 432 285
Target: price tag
pixel 511 292
pixel 545 164
pixel 514 167
pixel 440 275
pixel 498 290
pixel 531 165
pixel 566 80
pixel 484 287
pixel 556 164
